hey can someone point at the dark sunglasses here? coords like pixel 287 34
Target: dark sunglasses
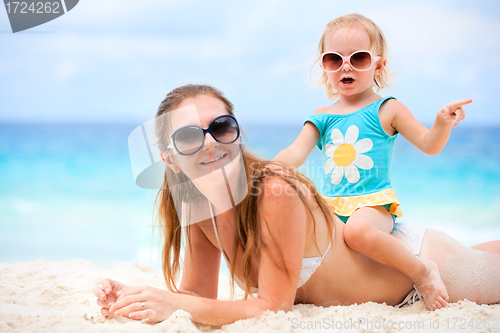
pixel 359 60
pixel 189 139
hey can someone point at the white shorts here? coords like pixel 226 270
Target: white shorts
pixel 413 234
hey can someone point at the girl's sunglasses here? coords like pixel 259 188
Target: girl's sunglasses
pixel 189 139
pixel 359 60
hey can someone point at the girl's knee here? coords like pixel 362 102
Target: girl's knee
pixel 357 232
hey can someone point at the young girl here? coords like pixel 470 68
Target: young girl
pixel 357 136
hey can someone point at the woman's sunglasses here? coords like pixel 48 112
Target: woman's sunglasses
pixel 189 139
pixel 359 60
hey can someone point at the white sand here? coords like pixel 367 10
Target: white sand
pixel 43 296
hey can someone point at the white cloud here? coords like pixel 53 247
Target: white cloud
pixel 439 33
pixel 65 70
pixel 26 207
pixel 107 12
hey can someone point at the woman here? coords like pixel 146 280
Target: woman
pixel 274 239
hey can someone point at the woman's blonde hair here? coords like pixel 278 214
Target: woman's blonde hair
pixel 247 236
pixel 378 46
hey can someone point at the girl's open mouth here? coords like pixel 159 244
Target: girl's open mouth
pixel 347 80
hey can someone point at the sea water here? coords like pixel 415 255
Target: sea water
pixel 67 191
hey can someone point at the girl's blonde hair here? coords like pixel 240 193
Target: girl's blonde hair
pixel 378 46
pixel 247 236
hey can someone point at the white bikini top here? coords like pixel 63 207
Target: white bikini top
pixel 309 265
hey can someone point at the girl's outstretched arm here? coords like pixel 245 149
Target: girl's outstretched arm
pixel 297 152
pixel 430 141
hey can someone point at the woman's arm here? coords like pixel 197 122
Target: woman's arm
pixel 283 228
pixel 107 294
pixel 200 271
pixel 430 141
pixel 297 152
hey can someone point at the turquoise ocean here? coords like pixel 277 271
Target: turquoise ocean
pixel 68 191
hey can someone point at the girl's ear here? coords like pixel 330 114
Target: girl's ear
pixel 167 159
pixel 379 67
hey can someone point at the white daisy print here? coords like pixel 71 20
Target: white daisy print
pixel 345 155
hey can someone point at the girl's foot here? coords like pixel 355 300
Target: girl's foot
pixel 431 287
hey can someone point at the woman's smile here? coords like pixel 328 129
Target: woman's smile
pixel 215 160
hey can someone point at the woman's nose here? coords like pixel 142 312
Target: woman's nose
pixel 209 140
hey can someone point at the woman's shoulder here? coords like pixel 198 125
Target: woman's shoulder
pixel 279 201
pixel 278 174
pixel 281 183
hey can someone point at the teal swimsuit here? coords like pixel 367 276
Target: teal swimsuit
pixel 357 156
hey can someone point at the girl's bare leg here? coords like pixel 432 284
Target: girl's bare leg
pixel 493 246
pixel 467 272
pixel 368 232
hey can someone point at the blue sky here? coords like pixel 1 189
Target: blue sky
pixel 114 60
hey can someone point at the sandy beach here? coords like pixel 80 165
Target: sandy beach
pixel 45 296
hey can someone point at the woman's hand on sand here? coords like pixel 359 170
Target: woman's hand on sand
pixel 144 302
pixel 453 112
pixel 107 294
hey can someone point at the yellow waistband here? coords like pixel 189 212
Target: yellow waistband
pixel 345 206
